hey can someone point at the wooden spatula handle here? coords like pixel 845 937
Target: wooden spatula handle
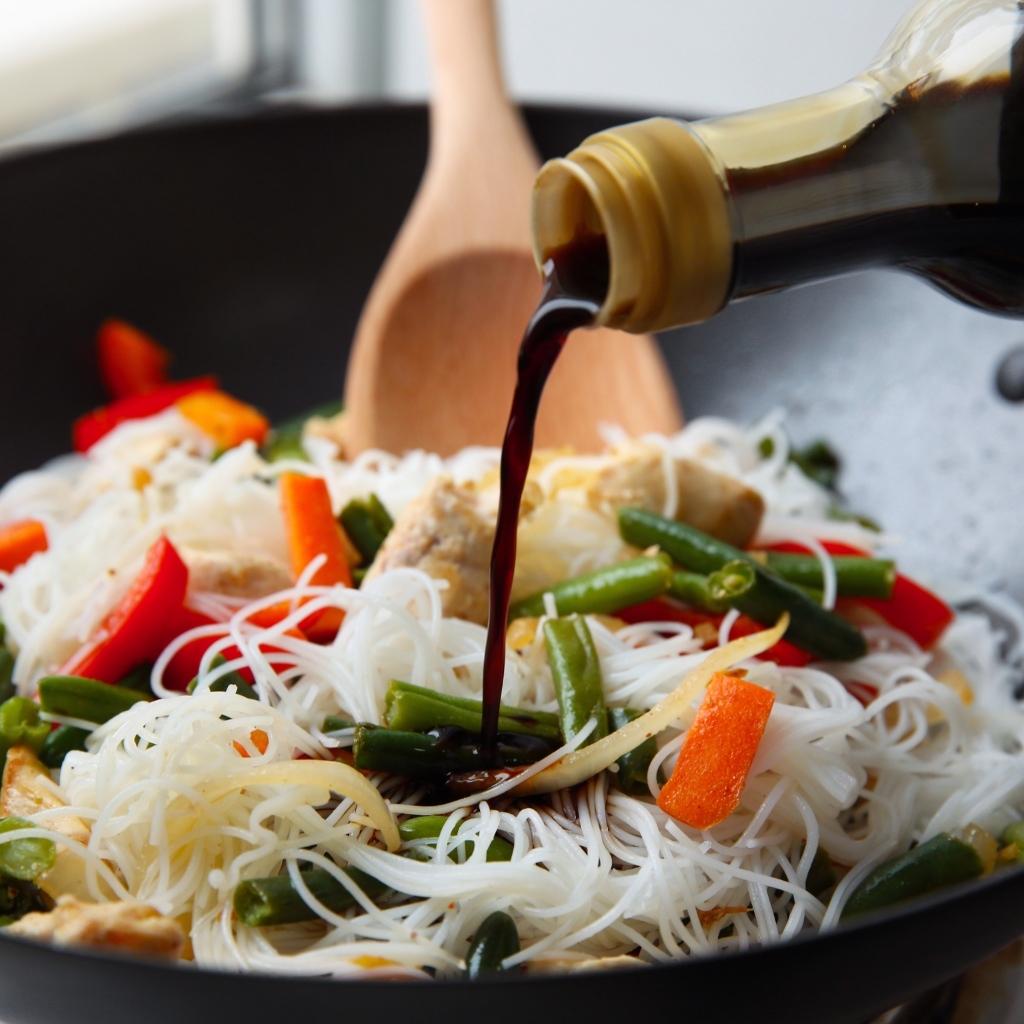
pixel 463 36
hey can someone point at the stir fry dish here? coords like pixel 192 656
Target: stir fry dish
pixel 241 709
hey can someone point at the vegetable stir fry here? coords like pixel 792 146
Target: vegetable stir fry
pixel 240 699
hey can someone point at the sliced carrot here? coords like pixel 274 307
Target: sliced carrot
pixel 319 627
pixel 717 753
pixel 312 529
pixel 227 420
pixel 20 541
pixel 131 362
pixel 260 740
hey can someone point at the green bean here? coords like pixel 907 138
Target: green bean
pixel 429 826
pixel 88 699
pixel 603 591
pixel 943 860
pixel 811 627
pixel 692 588
pixel 7 687
pixel 576 671
pixel 25 859
pixel 632 774
pixel 259 902
pixel 285 440
pixel 496 938
pixel 138 679
pixel 20 725
pixel 60 743
pixel 335 723
pixel 429 755
pixel 411 708
pixel 221 684
pixel 367 523
pixel 855 576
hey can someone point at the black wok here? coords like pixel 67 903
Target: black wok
pixel 248 244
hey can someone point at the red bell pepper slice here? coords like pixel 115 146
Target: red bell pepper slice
pixel 184 666
pixel 131 362
pixel 912 609
pixel 136 630
pixel 782 653
pixel 661 609
pixel 88 429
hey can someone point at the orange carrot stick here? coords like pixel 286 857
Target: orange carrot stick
pixel 717 753
pixel 312 529
pixel 228 421
pixel 19 542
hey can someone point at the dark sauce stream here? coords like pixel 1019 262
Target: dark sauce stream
pixel 575 284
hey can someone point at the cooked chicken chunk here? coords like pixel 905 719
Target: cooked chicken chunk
pixel 713 502
pixel 330 428
pixel 120 927
pixel 27 789
pixel 235 574
pixel 444 533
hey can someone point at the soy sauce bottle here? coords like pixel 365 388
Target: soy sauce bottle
pixel 916 164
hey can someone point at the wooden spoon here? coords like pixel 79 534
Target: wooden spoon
pixel 433 364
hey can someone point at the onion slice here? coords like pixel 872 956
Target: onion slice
pixel 324 777
pixel 582 764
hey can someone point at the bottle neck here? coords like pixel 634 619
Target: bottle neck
pixel 696 215
pixel 852 178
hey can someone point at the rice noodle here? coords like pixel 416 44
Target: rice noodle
pixel 178 818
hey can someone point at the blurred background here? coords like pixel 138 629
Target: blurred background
pixel 70 68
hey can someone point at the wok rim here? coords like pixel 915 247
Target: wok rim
pixel 240 116
pixel 761 955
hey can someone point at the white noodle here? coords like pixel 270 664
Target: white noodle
pixel 593 872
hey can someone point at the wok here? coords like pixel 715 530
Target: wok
pixel 247 243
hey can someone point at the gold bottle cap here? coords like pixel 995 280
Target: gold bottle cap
pixel 652 190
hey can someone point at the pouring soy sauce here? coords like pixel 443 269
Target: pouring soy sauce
pixel 576 279
pixel 918 164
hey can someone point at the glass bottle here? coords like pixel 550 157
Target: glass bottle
pixel 918 164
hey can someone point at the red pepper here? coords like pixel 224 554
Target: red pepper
pixel 662 609
pixel 88 429
pixel 782 653
pixel 912 609
pixel 131 362
pixel 182 668
pixel 136 630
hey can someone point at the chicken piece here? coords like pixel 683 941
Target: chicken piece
pixel 444 533
pixel 27 789
pixel 241 574
pixel 718 504
pixel 328 428
pixel 116 927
